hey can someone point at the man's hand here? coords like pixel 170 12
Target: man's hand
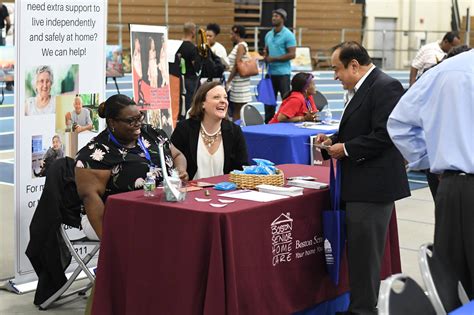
pixel 336 151
pixel 269 59
pixel 323 139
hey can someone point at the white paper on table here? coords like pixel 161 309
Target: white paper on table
pixel 253 195
pixel 319 126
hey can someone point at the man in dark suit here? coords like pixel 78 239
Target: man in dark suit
pixel 373 172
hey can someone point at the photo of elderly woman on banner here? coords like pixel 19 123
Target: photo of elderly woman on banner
pixel 150 85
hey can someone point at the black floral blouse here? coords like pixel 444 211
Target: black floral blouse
pixel 128 166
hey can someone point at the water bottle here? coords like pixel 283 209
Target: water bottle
pixel 150 185
pixel 327 116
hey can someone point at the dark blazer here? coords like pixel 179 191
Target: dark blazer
pixel 186 135
pixel 374 170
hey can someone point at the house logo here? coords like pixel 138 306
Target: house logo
pixel 282 239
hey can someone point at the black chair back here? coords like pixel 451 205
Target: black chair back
pixel 401 295
pixel 320 100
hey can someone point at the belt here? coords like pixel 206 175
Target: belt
pixel 459 173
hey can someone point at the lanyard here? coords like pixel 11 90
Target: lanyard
pixel 140 144
pixel 308 105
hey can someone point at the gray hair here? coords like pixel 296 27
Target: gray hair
pixel 40 70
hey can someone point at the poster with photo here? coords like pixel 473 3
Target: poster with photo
pixel 60 80
pixel 114 61
pixel 302 60
pixel 149 61
pixel 44 82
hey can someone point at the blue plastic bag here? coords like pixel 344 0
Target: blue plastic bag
pixel 265 92
pixel 333 226
pixel 225 186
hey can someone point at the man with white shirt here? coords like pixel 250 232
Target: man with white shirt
pixel 373 172
pixel 432 127
pixel 431 54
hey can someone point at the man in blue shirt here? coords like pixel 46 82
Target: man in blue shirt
pixel 280 47
pixel 432 126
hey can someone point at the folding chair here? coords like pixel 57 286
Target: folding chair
pixel 401 295
pixel 444 290
pixel 320 100
pixel 250 116
pixel 82 266
pixel 50 250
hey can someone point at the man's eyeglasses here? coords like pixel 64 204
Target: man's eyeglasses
pixel 133 121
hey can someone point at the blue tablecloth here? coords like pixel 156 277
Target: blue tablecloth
pixel 282 143
pixel 467 309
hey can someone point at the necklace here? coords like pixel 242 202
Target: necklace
pixel 209 138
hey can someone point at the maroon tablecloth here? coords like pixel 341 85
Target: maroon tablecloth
pixel 190 258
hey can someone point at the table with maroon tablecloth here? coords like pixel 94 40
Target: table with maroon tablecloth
pixel 249 257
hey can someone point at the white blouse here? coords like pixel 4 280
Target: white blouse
pixel 209 165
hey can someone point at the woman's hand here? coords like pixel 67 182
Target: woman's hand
pixel 183 175
pixel 310 116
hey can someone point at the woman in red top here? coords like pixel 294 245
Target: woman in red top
pixel 298 105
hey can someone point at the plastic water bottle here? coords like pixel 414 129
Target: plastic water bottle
pixel 150 185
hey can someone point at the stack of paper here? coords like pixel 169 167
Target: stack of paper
pixel 285 191
pixel 307 184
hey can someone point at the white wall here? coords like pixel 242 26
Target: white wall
pixel 424 19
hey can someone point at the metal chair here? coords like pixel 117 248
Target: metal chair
pixel 320 100
pixel 444 290
pixel 81 267
pixel 250 116
pixel 401 295
pixel 50 250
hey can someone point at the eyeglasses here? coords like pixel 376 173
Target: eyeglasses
pixel 133 121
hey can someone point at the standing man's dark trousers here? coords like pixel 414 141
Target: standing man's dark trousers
pixel 454 226
pixel 367 225
pixel 281 83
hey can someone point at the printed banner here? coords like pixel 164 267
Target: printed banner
pixel 151 80
pixel 60 71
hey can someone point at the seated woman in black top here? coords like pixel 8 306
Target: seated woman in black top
pixel 118 159
pixel 212 144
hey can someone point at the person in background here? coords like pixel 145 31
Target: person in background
pixel 212 30
pixel 80 116
pixel 5 22
pixel 212 144
pixel 373 171
pixel 238 86
pixel 432 128
pixel 280 48
pixel 298 105
pixel 43 102
pixel 431 54
pixel 118 159
pixel 189 53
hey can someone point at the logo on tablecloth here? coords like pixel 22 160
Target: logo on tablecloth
pixel 281 229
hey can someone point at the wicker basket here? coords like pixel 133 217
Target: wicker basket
pixel 250 181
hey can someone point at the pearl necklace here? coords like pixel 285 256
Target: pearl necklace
pixel 209 138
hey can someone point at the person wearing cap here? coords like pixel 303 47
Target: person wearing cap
pixel 280 46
